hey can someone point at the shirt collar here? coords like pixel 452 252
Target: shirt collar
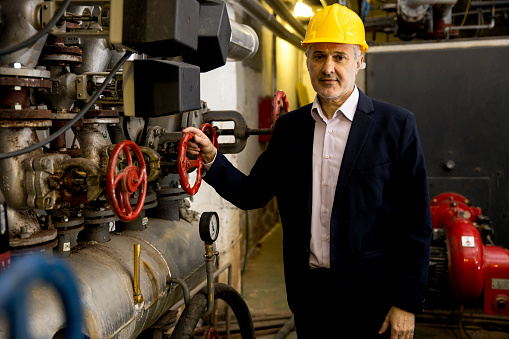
pixel 347 109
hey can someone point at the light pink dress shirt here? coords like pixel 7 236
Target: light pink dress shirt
pixel 329 144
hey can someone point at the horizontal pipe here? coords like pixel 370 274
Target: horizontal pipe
pixel 415 3
pixel 258 12
pixel 454 28
pixel 488 3
pixel 282 10
pixel 244 42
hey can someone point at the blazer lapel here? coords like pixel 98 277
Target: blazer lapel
pixel 308 132
pixel 361 126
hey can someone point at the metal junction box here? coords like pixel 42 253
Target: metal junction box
pixel 214 36
pixel 156 27
pixel 157 87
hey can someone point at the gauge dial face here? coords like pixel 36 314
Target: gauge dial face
pixel 209 226
pixel 214 227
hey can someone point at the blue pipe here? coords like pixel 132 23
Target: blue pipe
pixel 14 285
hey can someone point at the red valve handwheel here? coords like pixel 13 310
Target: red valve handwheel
pixel 212 132
pixel 212 333
pixel 184 164
pixel 276 104
pixel 120 187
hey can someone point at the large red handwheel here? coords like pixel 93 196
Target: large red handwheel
pixel 276 105
pixel 184 164
pixel 212 334
pixel 212 133
pixel 120 187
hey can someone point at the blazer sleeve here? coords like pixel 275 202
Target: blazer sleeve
pixel 414 229
pixel 247 191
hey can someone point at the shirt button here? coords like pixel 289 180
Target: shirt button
pixel 326 183
pixel 325 211
pixel 327 156
pixel 326 238
pixel 330 131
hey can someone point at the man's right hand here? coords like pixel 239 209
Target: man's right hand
pixel 200 143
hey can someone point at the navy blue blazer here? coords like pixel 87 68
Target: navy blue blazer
pixel 380 225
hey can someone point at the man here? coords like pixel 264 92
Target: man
pixel 350 180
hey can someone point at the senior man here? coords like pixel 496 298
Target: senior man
pixel 350 180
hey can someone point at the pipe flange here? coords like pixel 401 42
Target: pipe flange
pixel 69 223
pixel 26 124
pixel 25 114
pixel 34 239
pixel 101 121
pixel 172 194
pixel 39 248
pixel 25 72
pixel 25 82
pixel 99 221
pixel 102 113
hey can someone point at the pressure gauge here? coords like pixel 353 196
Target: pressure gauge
pixel 209 226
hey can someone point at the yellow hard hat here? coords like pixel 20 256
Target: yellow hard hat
pixel 338 24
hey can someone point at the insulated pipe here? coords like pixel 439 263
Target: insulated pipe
pixel 283 11
pixel 244 42
pixel 104 274
pixel 257 11
pixel 193 312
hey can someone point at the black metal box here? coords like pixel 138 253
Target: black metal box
pixel 158 87
pixel 161 27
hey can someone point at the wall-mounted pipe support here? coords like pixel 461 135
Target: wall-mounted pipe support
pixel 138 296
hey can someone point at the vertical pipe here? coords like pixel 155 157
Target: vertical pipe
pixel 138 297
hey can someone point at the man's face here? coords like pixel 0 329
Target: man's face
pixel 332 68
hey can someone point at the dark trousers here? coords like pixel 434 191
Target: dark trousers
pixel 324 312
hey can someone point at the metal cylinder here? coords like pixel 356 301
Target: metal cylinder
pixel 243 42
pixel 105 273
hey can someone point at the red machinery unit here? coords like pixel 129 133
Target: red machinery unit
pixel 472 265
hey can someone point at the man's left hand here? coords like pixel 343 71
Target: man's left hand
pixel 402 324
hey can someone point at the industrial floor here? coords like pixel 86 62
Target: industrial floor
pixel 264 292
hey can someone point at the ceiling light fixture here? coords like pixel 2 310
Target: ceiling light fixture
pixel 302 10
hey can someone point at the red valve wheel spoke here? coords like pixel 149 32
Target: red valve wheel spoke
pixel 184 165
pixel 212 333
pixel 120 187
pixel 212 132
